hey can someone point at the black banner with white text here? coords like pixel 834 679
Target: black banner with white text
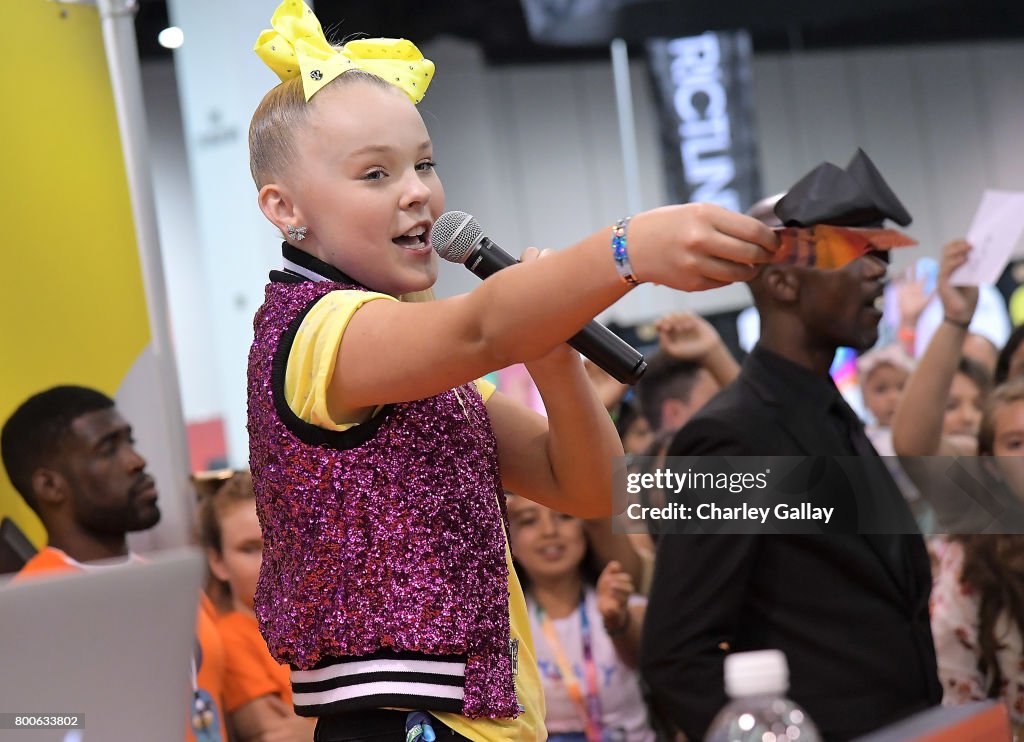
pixel 704 90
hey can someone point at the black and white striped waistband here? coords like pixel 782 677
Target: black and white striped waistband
pixel 382 680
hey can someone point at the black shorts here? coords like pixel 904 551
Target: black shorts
pixel 377 725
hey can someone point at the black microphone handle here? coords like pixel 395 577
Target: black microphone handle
pixel 595 341
pixel 618 358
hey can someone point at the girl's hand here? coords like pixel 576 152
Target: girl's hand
pixel 694 247
pixel 912 299
pixel 687 336
pixel 958 302
pixel 614 587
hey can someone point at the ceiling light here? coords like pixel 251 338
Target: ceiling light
pixel 171 38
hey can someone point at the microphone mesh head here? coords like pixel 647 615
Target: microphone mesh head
pixel 455 234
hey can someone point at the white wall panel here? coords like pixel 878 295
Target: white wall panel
pixel 892 135
pixel 952 133
pixel 779 135
pixel 1000 72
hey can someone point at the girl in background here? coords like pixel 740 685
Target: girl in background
pixel 586 629
pixel 883 373
pixel 978 598
pixel 257 695
pixel 940 413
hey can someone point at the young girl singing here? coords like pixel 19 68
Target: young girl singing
pixel 378 462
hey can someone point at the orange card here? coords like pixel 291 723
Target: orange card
pixel 825 246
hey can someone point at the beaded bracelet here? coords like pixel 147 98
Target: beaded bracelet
pixel 621 253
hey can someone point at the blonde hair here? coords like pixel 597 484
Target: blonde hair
pixel 281 114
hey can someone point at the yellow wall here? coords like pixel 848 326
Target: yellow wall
pixel 72 304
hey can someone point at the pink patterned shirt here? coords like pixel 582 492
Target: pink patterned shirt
pixel 955 629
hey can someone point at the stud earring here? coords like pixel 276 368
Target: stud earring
pixel 297 233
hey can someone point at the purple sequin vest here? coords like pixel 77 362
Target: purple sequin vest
pixel 384 581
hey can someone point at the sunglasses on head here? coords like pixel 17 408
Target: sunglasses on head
pixel 208 482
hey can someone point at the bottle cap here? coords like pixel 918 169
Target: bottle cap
pixel 756 673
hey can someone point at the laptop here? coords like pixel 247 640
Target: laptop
pixel 111 647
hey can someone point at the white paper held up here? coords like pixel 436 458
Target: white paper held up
pixel 994 232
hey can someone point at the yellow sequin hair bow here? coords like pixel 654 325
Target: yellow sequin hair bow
pixel 297 46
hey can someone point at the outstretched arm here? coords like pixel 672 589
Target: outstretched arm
pixel 523 312
pixel 917 426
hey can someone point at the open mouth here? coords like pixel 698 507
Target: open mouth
pixel 416 238
pixel 552 553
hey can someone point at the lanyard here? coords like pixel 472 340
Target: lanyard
pixel 589 709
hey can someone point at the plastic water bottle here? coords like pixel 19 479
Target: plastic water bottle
pixel 759 711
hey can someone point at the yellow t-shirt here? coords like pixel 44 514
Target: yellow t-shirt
pixel 307 377
pixel 529 725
